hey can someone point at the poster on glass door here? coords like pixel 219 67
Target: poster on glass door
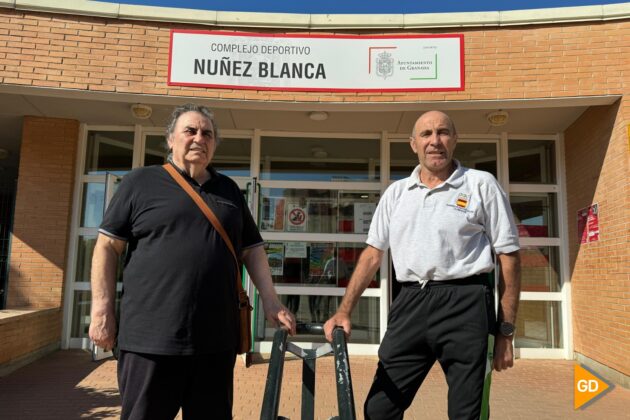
pixel 272 214
pixel 275 256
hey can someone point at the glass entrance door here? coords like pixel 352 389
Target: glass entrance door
pixel 108 154
pixel 317 197
pixel 534 195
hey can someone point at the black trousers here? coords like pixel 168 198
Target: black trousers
pixel 154 387
pixel 447 322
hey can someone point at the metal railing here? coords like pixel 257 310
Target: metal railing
pixel 345 395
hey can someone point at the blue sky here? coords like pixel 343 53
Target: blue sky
pixel 364 6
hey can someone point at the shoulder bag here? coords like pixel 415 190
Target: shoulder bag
pixel 244 307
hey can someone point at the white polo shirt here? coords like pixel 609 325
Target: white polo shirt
pixel 445 233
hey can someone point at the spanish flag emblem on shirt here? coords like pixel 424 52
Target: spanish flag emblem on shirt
pixel 462 201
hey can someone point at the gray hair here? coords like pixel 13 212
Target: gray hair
pixel 182 109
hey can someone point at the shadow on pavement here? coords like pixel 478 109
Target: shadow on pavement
pixel 64 385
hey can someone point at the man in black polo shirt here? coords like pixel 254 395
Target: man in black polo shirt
pixel 178 328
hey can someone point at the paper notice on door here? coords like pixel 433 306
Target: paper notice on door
pixel 363 213
pixel 295 250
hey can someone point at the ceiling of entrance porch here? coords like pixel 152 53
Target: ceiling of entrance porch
pixel 545 116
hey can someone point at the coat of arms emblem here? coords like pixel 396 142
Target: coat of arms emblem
pixel 384 65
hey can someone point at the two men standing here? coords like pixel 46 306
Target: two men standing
pixel 445 225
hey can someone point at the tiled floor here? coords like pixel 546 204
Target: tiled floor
pixel 68 385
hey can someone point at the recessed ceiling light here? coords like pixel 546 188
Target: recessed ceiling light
pixel 498 118
pixel 318 115
pixel 141 111
pixel 319 152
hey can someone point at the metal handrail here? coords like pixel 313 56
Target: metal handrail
pixel 345 395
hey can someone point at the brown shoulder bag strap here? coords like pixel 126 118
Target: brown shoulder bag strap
pixel 209 215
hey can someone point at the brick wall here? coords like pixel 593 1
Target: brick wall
pixel 597 167
pixel 24 335
pixel 43 208
pixel 100 54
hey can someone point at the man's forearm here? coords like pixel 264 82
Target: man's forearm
pixel 255 260
pixel 104 264
pixel 103 278
pixel 367 266
pixel 509 286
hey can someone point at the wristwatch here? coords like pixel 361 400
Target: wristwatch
pixel 507 329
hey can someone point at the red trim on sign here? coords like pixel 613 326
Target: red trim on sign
pixel 170 56
pixel 462 70
pixel 268 35
pixel 296 89
pixel 169 82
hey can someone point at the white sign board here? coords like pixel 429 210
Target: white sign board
pixel 237 60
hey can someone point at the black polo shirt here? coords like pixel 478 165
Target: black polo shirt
pixel 179 287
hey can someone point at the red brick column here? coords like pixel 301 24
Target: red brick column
pixel 43 209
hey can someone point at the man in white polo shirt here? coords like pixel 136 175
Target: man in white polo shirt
pixel 446 225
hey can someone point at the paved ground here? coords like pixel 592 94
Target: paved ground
pixel 68 385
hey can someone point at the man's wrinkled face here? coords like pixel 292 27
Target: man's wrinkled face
pixel 434 141
pixel 193 140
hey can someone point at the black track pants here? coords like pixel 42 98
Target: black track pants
pixel 448 322
pixel 154 387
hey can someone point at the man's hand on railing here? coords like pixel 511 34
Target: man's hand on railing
pixel 339 319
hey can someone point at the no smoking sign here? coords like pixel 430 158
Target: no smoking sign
pixel 297 219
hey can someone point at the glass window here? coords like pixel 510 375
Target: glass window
pixel 316 211
pixel 317 309
pixel 540 269
pixel 315 264
pixel 535 214
pixel 538 325
pixel 84 258
pixel 109 151
pixel 81 313
pixel 155 150
pixel 532 161
pixel 482 156
pixel 403 160
pixel 93 203
pixel 232 157
pixel 312 159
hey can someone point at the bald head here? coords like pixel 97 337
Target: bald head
pixel 434 139
pixel 430 115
